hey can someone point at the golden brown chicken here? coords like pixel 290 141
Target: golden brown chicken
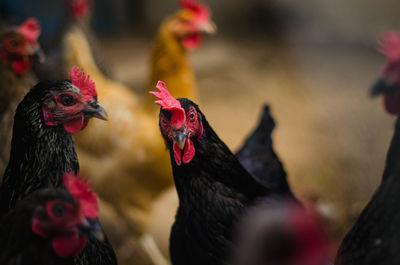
pixel 126 156
pixel 18 49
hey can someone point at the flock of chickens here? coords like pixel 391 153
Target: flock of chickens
pixel 234 209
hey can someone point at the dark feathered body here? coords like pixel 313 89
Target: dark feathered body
pixel 214 189
pixel 39 156
pixel 19 245
pixel 13 88
pixel 375 237
pixel 259 158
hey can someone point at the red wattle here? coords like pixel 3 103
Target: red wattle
pixel 21 66
pixel 69 245
pixel 75 125
pixel 188 152
pixel 392 104
pixel 177 154
pixel 192 42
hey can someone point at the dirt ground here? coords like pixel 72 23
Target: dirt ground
pixel 331 136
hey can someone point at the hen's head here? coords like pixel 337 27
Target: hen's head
pixel 71 103
pixel 389 82
pixel 180 124
pixel 188 24
pixel 79 8
pixel 19 46
pixel 67 217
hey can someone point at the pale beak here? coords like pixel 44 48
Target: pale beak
pixel 208 27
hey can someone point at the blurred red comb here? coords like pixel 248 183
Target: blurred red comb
pixel 389 45
pixel 84 83
pixel 30 29
pixel 168 102
pixel 80 190
pixel 200 9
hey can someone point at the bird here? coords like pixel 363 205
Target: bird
pixel 374 238
pixel 259 158
pixel 132 152
pixel 279 232
pixel 51 225
pixel 213 187
pixel 42 147
pixel 18 50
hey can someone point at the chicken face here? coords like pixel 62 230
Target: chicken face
pixel 389 82
pixel 19 46
pixel 73 104
pixel 180 124
pixel 189 24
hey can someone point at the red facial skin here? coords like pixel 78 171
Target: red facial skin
pixel 60 226
pixel 193 128
pixel 65 108
pixel 19 46
pixel 194 20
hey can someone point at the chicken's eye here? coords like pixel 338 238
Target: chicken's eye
pixel 192 116
pixel 67 100
pixel 13 43
pixel 164 122
pixel 59 210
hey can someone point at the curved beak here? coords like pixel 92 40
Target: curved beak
pixel 95 110
pixel 208 27
pixel 180 138
pixel 92 227
pixel 383 86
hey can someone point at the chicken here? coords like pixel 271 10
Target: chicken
pixel 50 226
pixel 42 147
pixel 278 232
pixel 258 156
pixel 130 167
pixel 213 187
pixel 18 49
pixel 374 238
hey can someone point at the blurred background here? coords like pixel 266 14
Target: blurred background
pixel 312 61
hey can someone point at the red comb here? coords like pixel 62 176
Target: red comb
pixel 83 82
pixel 389 45
pixel 79 8
pixel 30 29
pixel 201 10
pixel 168 102
pixel 80 190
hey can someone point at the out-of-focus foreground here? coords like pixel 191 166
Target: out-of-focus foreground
pixel 313 62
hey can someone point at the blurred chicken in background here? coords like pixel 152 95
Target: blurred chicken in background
pixel 19 48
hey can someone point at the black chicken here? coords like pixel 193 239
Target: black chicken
pixel 50 226
pixel 258 156
pixel 279 232
pixel 42 147
pixel 213 187
pixel 375 237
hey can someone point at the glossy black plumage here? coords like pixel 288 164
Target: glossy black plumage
pixel 259 158
pixel 19 245
pixel 39 156
pixel 375 237
pixel 214 189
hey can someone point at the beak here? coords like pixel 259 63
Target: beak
pixel 180 138
pixel 383 86
pixel 92 227
pixel 208 27
pixel 95 110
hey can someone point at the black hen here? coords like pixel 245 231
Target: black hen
pixel 49 226
pixel 375 237
pixel 213 187
pixel 42 147
pixel 258 156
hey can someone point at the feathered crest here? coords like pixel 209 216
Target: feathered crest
pixel 201 11
pixel 30 29
pixel 389 45
pixel 80 190
pixel 168 102
pixel 84 83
